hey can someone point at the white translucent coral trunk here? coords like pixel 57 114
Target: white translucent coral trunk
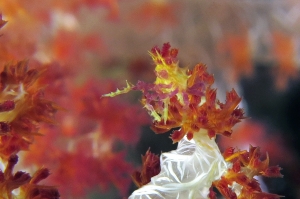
pixel 187 172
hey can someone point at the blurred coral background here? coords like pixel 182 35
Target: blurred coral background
pixel 92 46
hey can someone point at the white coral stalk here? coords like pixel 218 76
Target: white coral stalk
pixel 188 172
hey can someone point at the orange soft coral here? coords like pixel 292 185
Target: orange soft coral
pixel 235 50
pixel 151 167
pixel 29 188
pixel 284 51
pixel 240 178
pixel 157 14
pixel 85 140
pixel 23 107
pixel 184 98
